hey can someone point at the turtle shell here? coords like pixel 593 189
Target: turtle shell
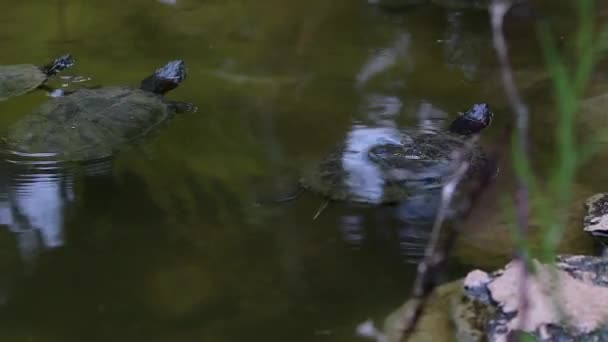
pixel 89 124
pixel 19 79
pixel 391 172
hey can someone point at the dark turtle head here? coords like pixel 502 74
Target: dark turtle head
pixel 165 78
pixel 59 64
pixel 473 120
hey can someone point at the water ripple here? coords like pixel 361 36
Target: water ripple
pixel 35 191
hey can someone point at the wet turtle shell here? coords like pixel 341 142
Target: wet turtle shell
pixel 19 79
pixel 89 124
pixel 96 123
pixel 384 165
pixel 22 78
pixel 391 172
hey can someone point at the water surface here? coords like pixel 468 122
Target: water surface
pixel 167 242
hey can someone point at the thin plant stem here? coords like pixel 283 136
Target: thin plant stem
pixel 438 250
pixel 498 9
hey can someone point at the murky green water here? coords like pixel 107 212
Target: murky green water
pixel 169 245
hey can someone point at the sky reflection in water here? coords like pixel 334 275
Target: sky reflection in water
pixel 34 195
pixel 177 251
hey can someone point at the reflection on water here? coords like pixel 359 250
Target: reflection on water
pixel 382 109
pixel 366 180
pixel 351 227
pixel 34 195
pixel 33 199
pixel 430 118
pixel 174 249
pixel 37 201
pixel 462 49
pixel 413 239
pixel 383 59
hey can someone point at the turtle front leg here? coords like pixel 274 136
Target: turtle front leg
pixel 183 107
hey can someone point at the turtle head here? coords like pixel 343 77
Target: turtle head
pixel 64 62
pixel 166 78
pixel 472 121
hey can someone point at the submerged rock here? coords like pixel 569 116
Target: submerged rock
pixel 449 315
pixel 487 239
pixel 435 323
pixel 565 301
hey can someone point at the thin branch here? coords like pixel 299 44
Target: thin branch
pixel 425 283
pixel 438 250
pixel 497 10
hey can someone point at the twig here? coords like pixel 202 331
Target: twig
pixel 427 269
pixel 437 253
pixel 498 9
pixel 320 210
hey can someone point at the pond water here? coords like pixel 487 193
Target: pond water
pixel 166 241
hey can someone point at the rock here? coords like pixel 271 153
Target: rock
pixel 596 220
pixel 449 315
pixel 566 301
pixel 469 317
pixel 434 324
pixel 487 240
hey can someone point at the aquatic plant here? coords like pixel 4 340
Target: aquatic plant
pixel 569 84
pixel 553 197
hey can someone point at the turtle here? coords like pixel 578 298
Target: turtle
pixel 19 79
pixel 408 164
pixel 93 124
